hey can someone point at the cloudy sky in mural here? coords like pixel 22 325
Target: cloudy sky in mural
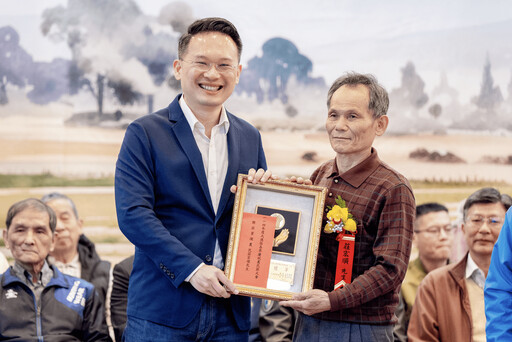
pixel 335 35
pixel 437 46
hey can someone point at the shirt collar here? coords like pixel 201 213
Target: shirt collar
pixel 45 275
pixel 474 272
pixel 359 173
pixel 192 120
pixel 74 263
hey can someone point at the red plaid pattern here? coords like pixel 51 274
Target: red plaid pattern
pixel 382 202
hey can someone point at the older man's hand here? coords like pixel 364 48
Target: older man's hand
pixel 310 302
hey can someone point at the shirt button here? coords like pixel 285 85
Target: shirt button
pixel 208 258
pixel 330 194
pixel 326 210
pixel 336 180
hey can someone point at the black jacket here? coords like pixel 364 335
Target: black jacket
pixel 94 270
pixel 119 297
pixel 69 310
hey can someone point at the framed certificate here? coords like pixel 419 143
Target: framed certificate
pixel 273 243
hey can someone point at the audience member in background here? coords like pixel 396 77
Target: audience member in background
pixel 449 304
pixel 119 296
pixel 37 301
pixel 433 237
pixel 74 253
pixel 498 287
pixel 4 264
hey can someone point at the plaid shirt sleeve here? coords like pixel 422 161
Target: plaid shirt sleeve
pixel 391 250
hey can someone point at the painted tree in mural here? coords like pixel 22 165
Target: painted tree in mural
pixel 267 76
pixel 112 48
pixel 412 89
pixel 490 95
pixel 47 80
pixel 15 62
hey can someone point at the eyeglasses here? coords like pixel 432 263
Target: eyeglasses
pixel 205 66
pixel 478 221
pixel 436 230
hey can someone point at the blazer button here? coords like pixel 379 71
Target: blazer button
pixel 162 266
pixel 208 258
pixel 172 275
pixel 168 272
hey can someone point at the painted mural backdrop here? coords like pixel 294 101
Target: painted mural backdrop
pixel 446 65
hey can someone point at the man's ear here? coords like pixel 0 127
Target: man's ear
pixel 415 239
pixel 52 247
pixel 382 124
pixel 4 234
pixel 238 72
pixel 81 225
pixel 176 65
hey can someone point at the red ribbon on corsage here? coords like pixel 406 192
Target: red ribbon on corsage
pixel 340 221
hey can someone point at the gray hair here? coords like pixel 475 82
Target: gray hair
pixel 379 100
pixel 486 195
pixel 57 195
pixel 31 203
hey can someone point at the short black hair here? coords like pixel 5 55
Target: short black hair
pixel 213 24
pixel 32 203
pixel 427 208
pixel 486 195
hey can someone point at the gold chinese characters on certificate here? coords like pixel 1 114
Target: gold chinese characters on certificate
pixel 274 237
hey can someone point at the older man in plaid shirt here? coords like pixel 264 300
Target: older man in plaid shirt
pixel 380 204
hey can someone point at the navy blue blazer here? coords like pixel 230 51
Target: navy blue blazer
pixel 164 208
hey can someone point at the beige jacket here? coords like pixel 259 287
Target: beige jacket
pixel 441 310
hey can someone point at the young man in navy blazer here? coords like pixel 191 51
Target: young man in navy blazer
pixel 173 199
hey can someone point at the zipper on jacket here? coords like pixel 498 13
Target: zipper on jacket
pixel 38 321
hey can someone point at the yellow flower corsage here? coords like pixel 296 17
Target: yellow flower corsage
pixel 339 219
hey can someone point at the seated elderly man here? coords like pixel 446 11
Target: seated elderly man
pixel 37 302
pixel 449 305
pixel 74 254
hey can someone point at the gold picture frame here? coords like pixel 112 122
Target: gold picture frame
pixel 254 262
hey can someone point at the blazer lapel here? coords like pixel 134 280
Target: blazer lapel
pixel 233 163
pixel 187 142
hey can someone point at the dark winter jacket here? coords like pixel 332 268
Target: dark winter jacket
pixel 69 310
pixel 94 270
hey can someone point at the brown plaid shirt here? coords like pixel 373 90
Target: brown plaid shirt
pixel 382 202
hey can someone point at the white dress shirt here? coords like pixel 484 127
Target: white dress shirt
pixel 475 273
pixel 214 152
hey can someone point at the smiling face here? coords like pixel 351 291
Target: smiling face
pixel 29 238
pixel 350 124
pixel 206 91
pixel 69 227
pixel 481 235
